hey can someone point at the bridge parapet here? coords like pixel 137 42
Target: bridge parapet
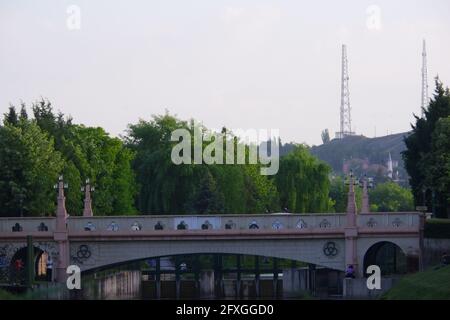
pixel 205 222
pixel 29 224
pixel 389 220
pixel 375 221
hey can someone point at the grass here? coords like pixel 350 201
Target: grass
pixel 432 284
pixel 5 295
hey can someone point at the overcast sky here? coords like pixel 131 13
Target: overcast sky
pixel 240 64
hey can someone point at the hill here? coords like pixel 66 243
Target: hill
pixel 363 155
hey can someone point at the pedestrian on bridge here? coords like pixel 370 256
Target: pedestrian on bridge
pixel 350 272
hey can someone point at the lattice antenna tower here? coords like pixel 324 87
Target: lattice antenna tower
pixel 345 111
pixel 425 100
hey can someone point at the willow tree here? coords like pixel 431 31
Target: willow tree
pixel 303 182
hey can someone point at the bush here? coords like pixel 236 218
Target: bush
pixel 437 228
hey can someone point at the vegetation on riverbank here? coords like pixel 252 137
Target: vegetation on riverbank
pixel 433 283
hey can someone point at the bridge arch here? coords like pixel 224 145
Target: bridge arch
pixel 19 261
pixel 389 256
pixel 103 254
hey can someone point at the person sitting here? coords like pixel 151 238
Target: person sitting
pixel 350 272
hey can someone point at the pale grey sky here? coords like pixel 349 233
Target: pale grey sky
pixel 243 64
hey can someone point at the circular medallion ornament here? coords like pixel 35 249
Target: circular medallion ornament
pixel 330 249
pixel 83 252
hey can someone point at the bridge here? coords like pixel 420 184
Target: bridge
pixel 332 240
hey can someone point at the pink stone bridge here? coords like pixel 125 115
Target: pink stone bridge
pixel 333 240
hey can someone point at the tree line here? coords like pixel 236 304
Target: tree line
pixel 135 174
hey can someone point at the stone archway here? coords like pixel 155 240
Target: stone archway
pixel 388 256
pixel 19 262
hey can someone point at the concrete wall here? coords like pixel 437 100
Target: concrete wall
pixel 357 288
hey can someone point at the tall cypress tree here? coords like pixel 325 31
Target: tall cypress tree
pixel 418 146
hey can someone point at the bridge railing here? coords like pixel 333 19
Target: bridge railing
pixel 28 224
pixel 199 222
pixel 377 220
pixel 389 220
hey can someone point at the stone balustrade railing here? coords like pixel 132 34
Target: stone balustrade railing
pixel 29 224
pixel 275 221
pixel 388 220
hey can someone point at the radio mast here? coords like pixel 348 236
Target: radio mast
pixel 345 111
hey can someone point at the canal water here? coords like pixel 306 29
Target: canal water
pixel 133 284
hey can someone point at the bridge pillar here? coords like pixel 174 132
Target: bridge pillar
pixel 275 278
pixel 311 284
pixel 238 278
pixel 351 229
pixel 177 278
pixel 60 235
pixel 257 277
pixel 158 278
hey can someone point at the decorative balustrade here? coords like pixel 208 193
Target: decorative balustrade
pixel 207 222
pixel 277 221
pixel 388 220
pixel 32 224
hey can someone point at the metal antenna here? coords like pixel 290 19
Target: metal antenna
pixel 424 102
pixel 345 117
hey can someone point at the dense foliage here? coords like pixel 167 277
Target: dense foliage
pixel 136 173
pixel 390 197
pixel 301 184
pixel 33 153
pixel 437 228
pixel 427 157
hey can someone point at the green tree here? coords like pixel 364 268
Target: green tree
pixel 208 199
pixel 90 153
pixel 30 167
pixel 325 136
pixel 303 182
pixel 418 146
pixel 390 197
pixel 437 170
pixel 11 116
